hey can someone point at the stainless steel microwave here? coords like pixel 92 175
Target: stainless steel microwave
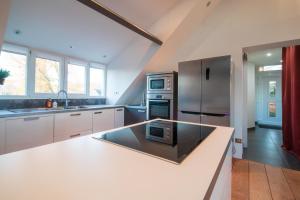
pixel 160 83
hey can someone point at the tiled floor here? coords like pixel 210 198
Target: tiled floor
pixel 264 146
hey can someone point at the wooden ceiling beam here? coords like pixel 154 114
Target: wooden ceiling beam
pixel 119 19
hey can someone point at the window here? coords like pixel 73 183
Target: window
pixel 97 82
pixel 270 68
pixel 272 109
pixel 16 64
pixel 38 74
pixel 76 79
pixel 47 76
pixel 272 88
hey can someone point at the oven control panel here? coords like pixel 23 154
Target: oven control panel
pixel 160 96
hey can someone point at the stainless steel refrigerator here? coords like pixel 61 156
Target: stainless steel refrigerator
pixel 204 91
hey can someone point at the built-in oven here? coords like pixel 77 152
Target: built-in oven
pixel 160 83
pixel 163 132
pixel 160 106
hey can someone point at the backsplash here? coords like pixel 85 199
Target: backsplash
pixel 37 103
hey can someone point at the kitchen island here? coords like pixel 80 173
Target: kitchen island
pixel 85 168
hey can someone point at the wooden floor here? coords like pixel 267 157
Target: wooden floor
pixel 256 181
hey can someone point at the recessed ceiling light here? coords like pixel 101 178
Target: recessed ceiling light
pixel 281 61
pixel 269 54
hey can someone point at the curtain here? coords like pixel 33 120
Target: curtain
pixel 291 99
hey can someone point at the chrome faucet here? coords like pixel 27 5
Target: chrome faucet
pixel 66 97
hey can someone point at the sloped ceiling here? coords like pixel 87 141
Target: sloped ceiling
pixel 70 28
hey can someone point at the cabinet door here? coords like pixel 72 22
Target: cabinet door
pixel 119 117
pixel 133 116
pixel 2 136
pixel 27 132
pixel 73 124
pixel 103 120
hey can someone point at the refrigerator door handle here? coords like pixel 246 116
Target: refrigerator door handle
pixel 190 112
pixel 207 73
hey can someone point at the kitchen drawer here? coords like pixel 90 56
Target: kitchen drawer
pixel 27 132
pixel 68 125
pixel 103 120
pixel 61 137
pixel 119 117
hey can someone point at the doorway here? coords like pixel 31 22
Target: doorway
pixel 264 109
pixel 268 99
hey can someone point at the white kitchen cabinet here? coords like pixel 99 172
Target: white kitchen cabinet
pixel 222 188
pixel 2 136
pixel 119 117
pixel 72 124
pixel 27 132
pixel 103 120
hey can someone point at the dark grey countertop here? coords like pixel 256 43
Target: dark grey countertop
pixel 10 113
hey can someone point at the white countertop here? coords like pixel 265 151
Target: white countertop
pixel 88 169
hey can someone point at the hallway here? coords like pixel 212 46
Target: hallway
pixel 264 146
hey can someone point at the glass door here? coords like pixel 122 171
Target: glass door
pixel 159 109
pixel 272 104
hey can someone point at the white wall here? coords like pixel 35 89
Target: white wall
pixel 4 11
pixel 125 72
pixel 251 100
pixel 227 30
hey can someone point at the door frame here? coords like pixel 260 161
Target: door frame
pixel 246 50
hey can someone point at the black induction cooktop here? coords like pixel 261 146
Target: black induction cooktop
pixel 169 140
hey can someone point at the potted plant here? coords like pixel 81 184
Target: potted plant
pixel 3 75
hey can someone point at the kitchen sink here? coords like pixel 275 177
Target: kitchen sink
pixel 75 107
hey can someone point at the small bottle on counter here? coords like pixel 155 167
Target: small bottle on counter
pixel 48 103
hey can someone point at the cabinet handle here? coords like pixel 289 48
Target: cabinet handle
pixel 119 109
pixel 76 135
pixel 76 114
pixel 31 119
pixel 141 111
pixel 96 113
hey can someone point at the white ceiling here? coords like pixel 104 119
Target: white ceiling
pixel 57 25
pixel 141 12
pixel 260 58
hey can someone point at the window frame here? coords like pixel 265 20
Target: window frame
pixel 15 49
pixel 48 56
pixel 95 65
pixel 78 62
pixel 32 54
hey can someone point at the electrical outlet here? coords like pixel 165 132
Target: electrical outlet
pixel 238 140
